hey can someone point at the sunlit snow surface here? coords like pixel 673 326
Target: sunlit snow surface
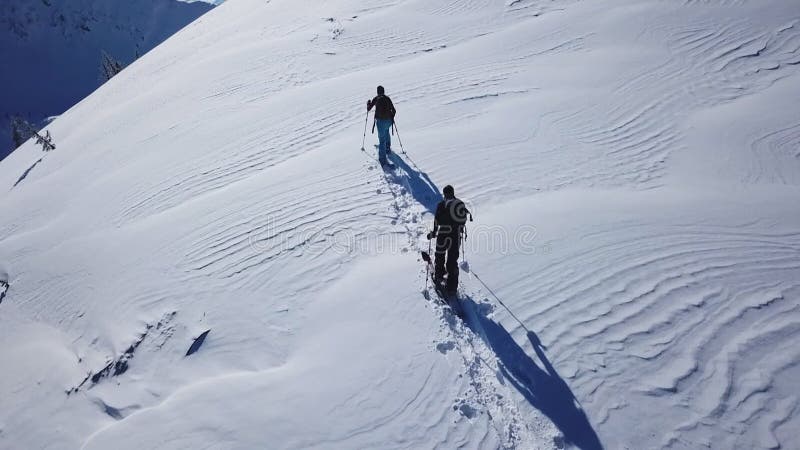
pixel 633 171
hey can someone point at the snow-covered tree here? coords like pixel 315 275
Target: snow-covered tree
pixel 109 66
pixel 20 131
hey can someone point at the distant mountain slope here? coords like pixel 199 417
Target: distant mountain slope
pixel 51 49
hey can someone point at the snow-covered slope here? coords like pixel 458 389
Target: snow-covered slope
pixel 631 280
pixel 51 49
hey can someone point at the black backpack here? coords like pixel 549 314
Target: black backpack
pixel 383 107
pixel 452 212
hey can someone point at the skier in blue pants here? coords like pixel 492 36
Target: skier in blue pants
pixel 384 118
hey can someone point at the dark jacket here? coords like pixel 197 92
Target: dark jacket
pixel 451 215
pixel 384 109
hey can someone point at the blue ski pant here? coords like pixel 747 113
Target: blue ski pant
pixel 384 137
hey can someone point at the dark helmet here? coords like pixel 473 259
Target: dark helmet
pixel 380 90
pixel 449 192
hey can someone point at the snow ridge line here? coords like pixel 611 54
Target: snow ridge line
pixel 488 394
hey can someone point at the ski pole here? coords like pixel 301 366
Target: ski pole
pixel 363 139
pixel 472 272
pixel 397 130
pixel 463 237
pixel 464 240
pixel 427 268
pixel 403 150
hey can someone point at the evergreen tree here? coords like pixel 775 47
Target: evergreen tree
pixel 109 66
pixel 20 131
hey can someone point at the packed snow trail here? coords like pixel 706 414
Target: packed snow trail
pixel 489 354
pixel 414 196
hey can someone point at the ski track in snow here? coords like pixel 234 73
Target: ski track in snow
pixel 230 193
pixel 487 393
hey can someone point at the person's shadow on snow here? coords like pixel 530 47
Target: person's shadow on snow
pixel 421 187
pixel 544 389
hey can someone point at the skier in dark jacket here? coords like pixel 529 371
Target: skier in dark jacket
pixel 384 118
pixel 448 224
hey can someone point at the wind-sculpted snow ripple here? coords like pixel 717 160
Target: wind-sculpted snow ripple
pixel 263 144
pixel 254 240
pixel 247 155
pixel 689 326
pixel 711 62
pixel 394 40
pixel 750 59
pixel 780 145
